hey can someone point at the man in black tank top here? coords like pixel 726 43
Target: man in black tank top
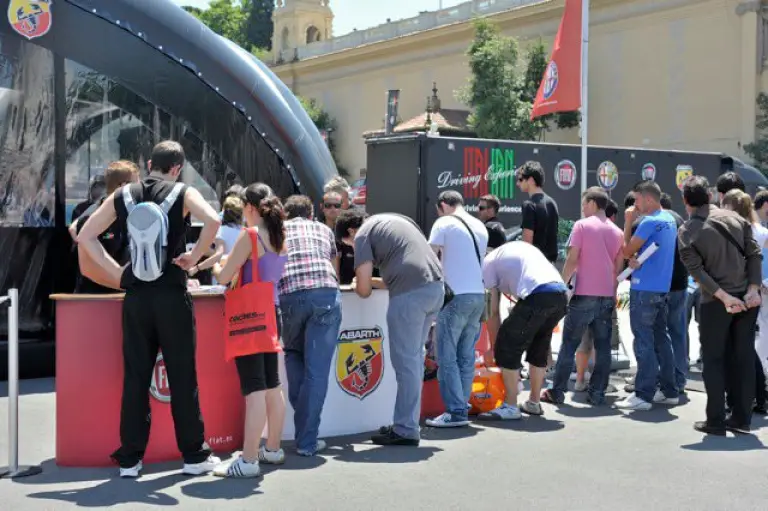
pixel 158 314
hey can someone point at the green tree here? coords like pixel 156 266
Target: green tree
pixel 758 150
pixel 324 122
pixel 247 23
pixel 259 26
pixel 493 90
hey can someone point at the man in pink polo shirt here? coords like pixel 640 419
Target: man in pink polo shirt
pixel 594 260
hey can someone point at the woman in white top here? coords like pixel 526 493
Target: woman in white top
pixel 231 225
pixel 741 203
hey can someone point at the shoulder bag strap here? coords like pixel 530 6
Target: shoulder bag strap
pixel 474 241
pixel 724 233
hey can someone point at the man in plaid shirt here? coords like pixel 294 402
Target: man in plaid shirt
pixel 310 304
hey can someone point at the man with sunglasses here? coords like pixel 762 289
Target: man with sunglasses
pixel 487 212
pixel 345 260
pixel 331 208
pixel 540 214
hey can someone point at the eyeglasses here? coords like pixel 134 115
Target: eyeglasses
pixel 332 205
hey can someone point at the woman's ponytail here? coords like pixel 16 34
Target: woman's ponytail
pixel 272 212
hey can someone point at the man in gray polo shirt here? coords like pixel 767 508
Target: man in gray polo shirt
pixel 411 271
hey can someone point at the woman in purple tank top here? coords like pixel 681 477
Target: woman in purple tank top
pixel 259 376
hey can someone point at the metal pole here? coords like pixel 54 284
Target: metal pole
pixel 13 469
pixel 584 91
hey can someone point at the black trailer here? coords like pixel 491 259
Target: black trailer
pixel 406 173
pixel 86 82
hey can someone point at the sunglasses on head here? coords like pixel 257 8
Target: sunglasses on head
pixel 331 205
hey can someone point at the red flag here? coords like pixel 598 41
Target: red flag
pixel 560 89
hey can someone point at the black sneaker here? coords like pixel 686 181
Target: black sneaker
pixel 760 410
pixel 734 427
pixel 387 436
pixel 705 428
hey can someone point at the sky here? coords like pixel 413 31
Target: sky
pixel 361 14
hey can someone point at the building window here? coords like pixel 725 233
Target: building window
pixel 313 34
pixel 285 39
pixel 108 122
pixel 26 135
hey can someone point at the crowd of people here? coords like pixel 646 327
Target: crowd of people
pixel 455 278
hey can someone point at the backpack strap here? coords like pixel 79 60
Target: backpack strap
pixel 128 199
pixel 169 201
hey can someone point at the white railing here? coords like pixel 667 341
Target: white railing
pixel 424 21
pixel 13 470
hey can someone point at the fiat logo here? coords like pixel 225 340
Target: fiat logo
pixel 159 388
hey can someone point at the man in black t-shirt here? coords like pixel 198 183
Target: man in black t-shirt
pixel 114 239
pixel 487 211
pixel 158 314
pixel 540 214
pixel 677 316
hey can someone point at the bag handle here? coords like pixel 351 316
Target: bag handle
pixel 724 233
pixel 251 231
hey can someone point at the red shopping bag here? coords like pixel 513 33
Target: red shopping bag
pixel 251 325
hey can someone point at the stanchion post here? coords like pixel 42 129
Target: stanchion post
pixel 13 470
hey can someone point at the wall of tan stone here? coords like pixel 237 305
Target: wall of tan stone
pixel 679 74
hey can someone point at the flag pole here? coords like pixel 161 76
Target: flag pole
pixel 584 91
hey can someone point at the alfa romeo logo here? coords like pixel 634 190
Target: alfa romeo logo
pixel 551 79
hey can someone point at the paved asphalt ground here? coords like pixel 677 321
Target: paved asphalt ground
pixel 576 458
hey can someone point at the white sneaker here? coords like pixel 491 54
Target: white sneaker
pixel 587 376
pixel 132 472
pixel 271 457
pixel 661 399
pixel 632 402
pixel 204 467
pixel 505 413
pixel 320 446
pixel 580 386
pixel 532 408
pixel 238 469
pixel 446 420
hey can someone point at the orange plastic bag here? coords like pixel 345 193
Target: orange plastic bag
pixel 251 325
pixel 488 390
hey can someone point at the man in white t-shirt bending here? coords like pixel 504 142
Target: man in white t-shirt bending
pixel 521 270
pixel 460 241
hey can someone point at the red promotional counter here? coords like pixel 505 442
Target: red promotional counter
pixel 89 379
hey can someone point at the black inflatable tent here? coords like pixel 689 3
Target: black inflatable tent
pixel 85 82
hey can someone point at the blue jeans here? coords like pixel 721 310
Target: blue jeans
pixel 409 318
pixel 458 328
pixel 311 321
pixel 677 327
pixel 652 346
pixel 595 313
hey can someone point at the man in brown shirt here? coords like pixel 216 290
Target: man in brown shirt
pixel 719 251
